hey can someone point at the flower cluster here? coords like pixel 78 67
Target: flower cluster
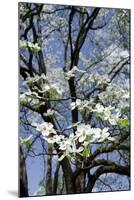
pixel 99 79
pixel 52 88
pixel 72 72
pixel 80 104
pixel 107 113
pixel 112 95
pixel 33 47
pixel 31 98
pixel 45 86
pixel 46 128
pixel 50 113
pixel 76 143
pixel 92 135
pixel 30 81
pixel 81 141
pixel 39 85
pixel 93 80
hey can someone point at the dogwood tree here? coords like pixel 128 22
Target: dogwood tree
pixel 74 97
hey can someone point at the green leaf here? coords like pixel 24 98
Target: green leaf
pixel 85 153
pixel 123 122
pixel 27 141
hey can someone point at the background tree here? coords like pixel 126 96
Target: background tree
pixel 74 96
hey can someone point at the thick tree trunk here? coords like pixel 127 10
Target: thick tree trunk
pixel 67 171
pixel 23 181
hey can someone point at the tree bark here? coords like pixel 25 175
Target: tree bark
pixel 55 184
pixel 49 185
pixel 23 180
pixel 68 174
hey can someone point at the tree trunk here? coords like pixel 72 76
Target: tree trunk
pixel 49 186
pixel 55 184
pixel 23 184
pixel 67 172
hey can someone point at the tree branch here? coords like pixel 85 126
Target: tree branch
pixel 122 170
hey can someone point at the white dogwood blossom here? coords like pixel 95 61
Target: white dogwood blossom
pixel 46 128
pixel 49 112
pixel 113 93
pixel 82 131
pixel 31 98
pixel 84 135
pixel 75 104
pixel 40 83
pixel 57 88
pixel 68 146
pixel 80 104
pixel 101 135
pixel 51 88
pixel 108 113
pixel 75 143
pixel 55 139
pixel 99 108
pixel 102 79
pixel 71 73
pixel 23 44
pixel 33 47
pixel 35 79
pixel 98 79
pixel 73 149
pixel 25 98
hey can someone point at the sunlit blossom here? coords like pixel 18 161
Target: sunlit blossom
pixel 82 131
pixel 46 129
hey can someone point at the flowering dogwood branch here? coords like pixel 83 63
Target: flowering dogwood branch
pixel 80 142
